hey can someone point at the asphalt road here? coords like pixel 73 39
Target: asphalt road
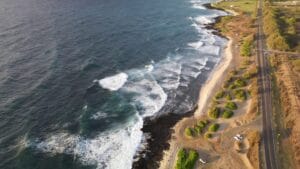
pixel 265 101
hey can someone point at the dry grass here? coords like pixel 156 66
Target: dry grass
pixel 287 80
pixel 253 152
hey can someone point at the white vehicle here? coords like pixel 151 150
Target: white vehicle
pixel 202 161
pixel 238 137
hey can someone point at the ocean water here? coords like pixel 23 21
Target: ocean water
pixel 77 77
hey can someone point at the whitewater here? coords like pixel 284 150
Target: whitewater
pixel 151 85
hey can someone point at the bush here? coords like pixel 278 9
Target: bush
pixel 240 83
pixel 188 132
pixel 198 129
pixel 191 159
pixel 186 159
pixel 228 81
pixel 228 97
pixel 246 48
pixel 213 127
pixel 181 157
pixel 227 114
pixel 214 112
pixel 220 94
pixel 240 94
pixel 232 86
pixel 234 72
pixel 231 106
pixel 275 38
pixel 208 135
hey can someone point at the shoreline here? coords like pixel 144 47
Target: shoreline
pixel 211 85
pixel 162 128
pixel 207 90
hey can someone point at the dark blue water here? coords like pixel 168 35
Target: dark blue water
pixel 78 76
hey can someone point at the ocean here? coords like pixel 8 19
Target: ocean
pixel 77 77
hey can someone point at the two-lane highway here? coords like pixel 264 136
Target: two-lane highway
pixel 265 102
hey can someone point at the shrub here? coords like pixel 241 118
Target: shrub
pixel 208 135
pixel 186 159
pixel 240 83
pixel 275 39
pixel 234 72
pixel 228 97
pixel 191 159
pixel 181 157
pixel 246 62
pixel 220 94
pixel 227 114
pixel 188 132
pixel 247 76
pixel 202 124
pixel 228 81
pixel 214 112
pixel 232 86
pixel 246 48
pixel 231 106
pixel 240 94
pixel 213 127
pixel 198 129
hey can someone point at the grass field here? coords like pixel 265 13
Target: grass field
pixel 246 6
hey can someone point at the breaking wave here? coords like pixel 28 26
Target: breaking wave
pixel 150 87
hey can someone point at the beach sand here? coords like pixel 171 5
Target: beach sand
pixel 217 76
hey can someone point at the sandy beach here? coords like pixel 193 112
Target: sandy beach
pixel 221 150
pixel 209 88
pixel 213 83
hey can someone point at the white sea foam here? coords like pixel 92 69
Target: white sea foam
pixel 210 49
pixel 149 68
pixel 198 6
pixel 196 45
pixel 111 150
pixel 203 20
pixel 149 86
pixel 148 93
pixel 114 82
pixel 99 115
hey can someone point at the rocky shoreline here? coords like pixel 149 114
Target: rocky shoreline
pixel 161 129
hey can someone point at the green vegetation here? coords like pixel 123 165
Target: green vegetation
pixel 208 135
pixel 220 95
pixel 234 72
pixel 245 6
pixel 246 48
pixel 240 83
pixel 250 74
pixel 227 114
pixel 214 112
pixel 188 132
pixel 213 127
pixel 231 106
pixel 232 86
pixel 240 94
pixel 186 159
pixel 228 97
pixel 228 81
pixel 275 39
pixel 280 24
pixel 197 129
pixel 202 123
pixel 221 25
